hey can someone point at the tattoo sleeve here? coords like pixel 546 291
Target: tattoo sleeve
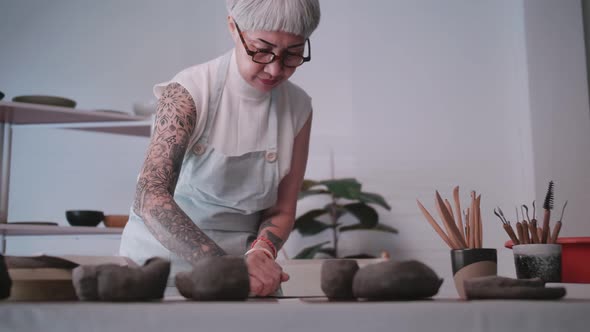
pixel 273 232
pixel 175 121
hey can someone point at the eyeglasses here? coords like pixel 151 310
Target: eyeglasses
pixel 289 60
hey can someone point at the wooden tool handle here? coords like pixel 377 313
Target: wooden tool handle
pixel 555 234
pixel 478 220
pixel 511 234
pixel 457 201
pixel 519 232
pixel 449 223
pixel 435 225
pixel 525 232
pixel 533 229
pixel 546 218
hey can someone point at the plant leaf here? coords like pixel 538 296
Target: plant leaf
pixel 328 251
pixel 307 224
pixel 303 194
pixel 348 188
pixel 309 252
pixel 364 213
pixel 374 198
pixel 339 209
pixel 307 184
pixel 378 227
pixel 312 227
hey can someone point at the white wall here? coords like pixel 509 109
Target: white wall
pixel 411 96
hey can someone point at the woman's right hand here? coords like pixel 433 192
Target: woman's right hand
pixel 265 274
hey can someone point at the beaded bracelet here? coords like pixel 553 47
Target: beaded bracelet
pixel 269 243
pixel 266 252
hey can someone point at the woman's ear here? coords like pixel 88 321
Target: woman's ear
pixel 232 29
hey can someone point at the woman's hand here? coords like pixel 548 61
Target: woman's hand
pixel 265 274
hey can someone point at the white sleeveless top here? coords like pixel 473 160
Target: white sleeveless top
pixel 241 123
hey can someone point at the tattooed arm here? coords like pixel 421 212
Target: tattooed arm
pixel 265 274
pixel 154 202
pixel 278 221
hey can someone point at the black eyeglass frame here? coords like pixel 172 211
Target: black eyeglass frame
pixel 274 57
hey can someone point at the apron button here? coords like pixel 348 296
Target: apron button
pixel 271 156
pixel 199 149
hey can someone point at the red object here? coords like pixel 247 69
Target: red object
pixel 267 241
pixel 575 259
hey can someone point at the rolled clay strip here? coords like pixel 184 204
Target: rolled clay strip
pixel 507 288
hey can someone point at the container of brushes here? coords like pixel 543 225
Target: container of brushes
pixel 575 253
pixel 541 260
pixel 471 263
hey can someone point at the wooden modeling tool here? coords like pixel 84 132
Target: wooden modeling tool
pixel 457 201
pixel 557 227
pixel 435 225
pixel 519 228
pixel 506 226
pixel 532 225
pixel 453 232
pixel 456 234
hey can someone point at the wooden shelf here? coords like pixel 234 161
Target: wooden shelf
pixel 23 230
pixel 34 114
pixel 25 113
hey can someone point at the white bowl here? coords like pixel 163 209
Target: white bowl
pixel 145 108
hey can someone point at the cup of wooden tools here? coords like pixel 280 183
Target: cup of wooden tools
pixel 536 251
pixel 464 235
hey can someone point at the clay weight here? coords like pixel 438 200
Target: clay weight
pixel 408 280
pixel 337 277
pixel 110 282
pixel 215 279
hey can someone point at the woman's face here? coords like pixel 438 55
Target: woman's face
pixel 265 77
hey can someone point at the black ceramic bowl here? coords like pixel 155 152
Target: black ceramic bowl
pixel 84 217
pixel 46 100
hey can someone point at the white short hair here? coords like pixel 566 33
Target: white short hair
pixel 299 17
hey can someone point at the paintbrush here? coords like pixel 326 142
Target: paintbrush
pixel 547 206
pixel 557 226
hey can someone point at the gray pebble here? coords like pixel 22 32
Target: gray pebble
pixel 409 280
pixel 337 277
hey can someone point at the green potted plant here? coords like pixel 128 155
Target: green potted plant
pixel 346 198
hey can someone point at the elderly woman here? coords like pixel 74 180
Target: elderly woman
pixel 229 148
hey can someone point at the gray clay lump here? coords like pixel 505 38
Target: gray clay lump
pixel 408 280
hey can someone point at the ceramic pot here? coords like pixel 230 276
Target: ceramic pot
pixel 471 263
pixel 538 261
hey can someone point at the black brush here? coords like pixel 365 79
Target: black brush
pixel 547 206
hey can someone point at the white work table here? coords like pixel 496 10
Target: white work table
pixel 313 314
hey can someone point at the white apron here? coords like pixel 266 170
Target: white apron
pixel 223 195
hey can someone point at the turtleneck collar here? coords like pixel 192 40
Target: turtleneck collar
pixel 238 85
